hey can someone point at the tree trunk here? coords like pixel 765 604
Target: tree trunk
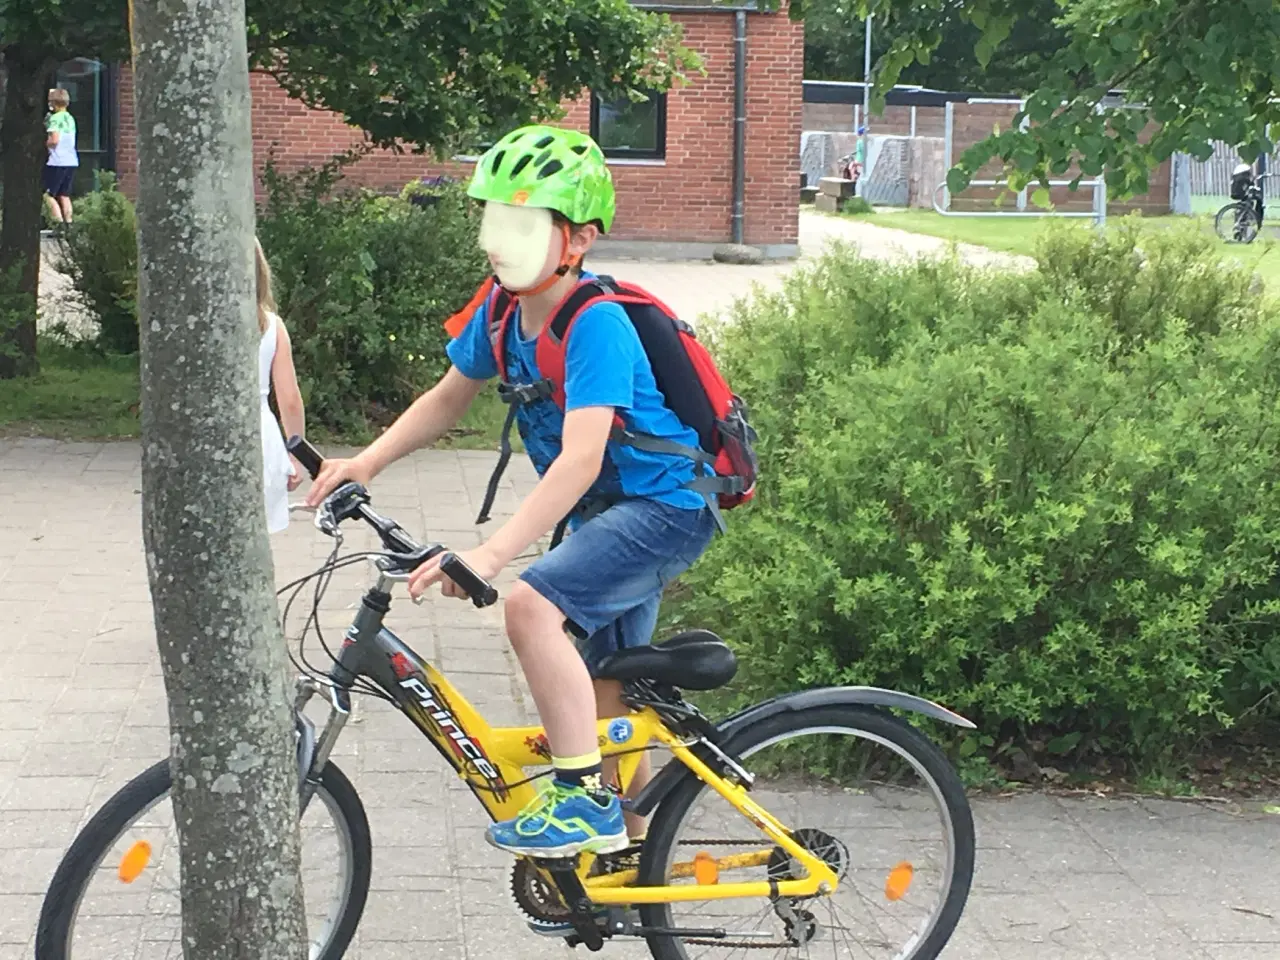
pixel 22 155
pixel 235 783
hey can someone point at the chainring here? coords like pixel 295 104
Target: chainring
pixel 535 894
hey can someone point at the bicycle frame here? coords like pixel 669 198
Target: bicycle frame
pixel 492 760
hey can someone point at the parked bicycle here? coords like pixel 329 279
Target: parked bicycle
pixel 1241 220
pixel 789 825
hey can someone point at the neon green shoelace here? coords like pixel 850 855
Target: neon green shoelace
pixel 540 809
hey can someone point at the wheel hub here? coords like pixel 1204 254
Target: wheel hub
pixel 830 850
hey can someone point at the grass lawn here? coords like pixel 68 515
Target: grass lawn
pixel 76 396
pixel 1019 235
pixel 79 395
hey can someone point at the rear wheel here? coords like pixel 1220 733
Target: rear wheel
pixel 1237 223
pixel 863 790
pixel 118 882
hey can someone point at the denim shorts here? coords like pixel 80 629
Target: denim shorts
pixel 607 576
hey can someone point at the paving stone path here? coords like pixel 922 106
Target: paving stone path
pixel 82 710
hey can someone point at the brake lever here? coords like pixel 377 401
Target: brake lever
pixel 325 521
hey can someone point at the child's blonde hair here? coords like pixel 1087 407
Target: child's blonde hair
pixel 59 97
pixel 266 302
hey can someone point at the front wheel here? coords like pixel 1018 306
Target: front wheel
pixel 1237 223
pixel 863 790
pixel 119 880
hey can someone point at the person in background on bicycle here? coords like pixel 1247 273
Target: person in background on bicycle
pixel 548 195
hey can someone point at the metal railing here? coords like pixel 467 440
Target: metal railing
pixel 1098 212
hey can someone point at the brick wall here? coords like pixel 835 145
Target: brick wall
pixel 974 122
pixel 686 198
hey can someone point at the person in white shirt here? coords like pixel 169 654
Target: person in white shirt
pixel 60 168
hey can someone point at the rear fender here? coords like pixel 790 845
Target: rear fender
pixel 647 800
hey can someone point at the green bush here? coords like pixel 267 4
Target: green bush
pixel 1139 280
pixel 365 283
pixel 1047 500
pixel 102 260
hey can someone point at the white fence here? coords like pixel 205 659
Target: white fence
pixel 1201 186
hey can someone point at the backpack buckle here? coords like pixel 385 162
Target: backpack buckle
pixel 522 393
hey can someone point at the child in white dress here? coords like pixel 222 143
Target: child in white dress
pixel 275 367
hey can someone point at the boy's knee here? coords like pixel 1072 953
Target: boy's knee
pixel 528 613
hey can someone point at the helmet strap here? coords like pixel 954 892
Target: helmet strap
pixel 567 262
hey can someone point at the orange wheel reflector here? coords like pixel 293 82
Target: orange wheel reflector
pixel 705 869
pixel 899 881
pixel 135 861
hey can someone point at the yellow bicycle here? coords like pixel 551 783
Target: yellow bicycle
pixel 789 827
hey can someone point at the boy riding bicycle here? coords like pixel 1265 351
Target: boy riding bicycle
pixel 637 512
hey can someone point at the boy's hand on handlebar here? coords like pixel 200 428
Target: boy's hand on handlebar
pixel 333 474
pixel 481 560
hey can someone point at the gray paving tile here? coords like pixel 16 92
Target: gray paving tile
pixel 18 913
pixel 419 950
pixel 1251 915
pixel 48 793
pixel 32 867
pixel 407 916
pixel 1240 951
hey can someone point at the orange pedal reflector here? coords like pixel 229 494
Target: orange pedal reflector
pixel 899 881
pixel 705 869
pixel 135 861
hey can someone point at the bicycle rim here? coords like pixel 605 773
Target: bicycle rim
pixel 147 908
pixel 904 853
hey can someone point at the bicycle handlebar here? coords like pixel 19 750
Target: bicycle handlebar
pixel 352 500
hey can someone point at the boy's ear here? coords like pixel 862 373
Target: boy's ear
pixel 581 239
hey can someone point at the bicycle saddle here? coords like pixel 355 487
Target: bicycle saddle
pixel 695 660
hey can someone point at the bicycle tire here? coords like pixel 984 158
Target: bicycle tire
pixel 671 812
pixel 91 845
pixel 1229 220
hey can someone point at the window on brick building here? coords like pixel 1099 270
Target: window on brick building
pixel 630 130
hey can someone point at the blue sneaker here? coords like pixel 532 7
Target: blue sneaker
pixel 562 821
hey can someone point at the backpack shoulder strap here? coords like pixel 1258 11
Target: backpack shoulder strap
pixel 502 306
pixel 555 335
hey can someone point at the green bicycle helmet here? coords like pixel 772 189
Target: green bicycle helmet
pixel 550 168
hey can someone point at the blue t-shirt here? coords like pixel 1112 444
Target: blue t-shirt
pixel 605 366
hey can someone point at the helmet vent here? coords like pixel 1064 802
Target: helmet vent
pixel 579 149
pixel 552 168
pixel 520 165
pixel 545 142
pixel 543 157
pixel 497 161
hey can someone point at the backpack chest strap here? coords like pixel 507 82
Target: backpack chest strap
pixel 518 394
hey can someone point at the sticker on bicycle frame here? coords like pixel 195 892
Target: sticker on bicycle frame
pixel 620 730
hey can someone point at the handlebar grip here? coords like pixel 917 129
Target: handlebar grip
pixel 480 590
pixel 307 455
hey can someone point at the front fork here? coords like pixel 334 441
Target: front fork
pixel 313 751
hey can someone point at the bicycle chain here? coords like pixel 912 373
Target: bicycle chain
pixel 742 944
pixel 533 902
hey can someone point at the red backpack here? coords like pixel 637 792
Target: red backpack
pixel 688 379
